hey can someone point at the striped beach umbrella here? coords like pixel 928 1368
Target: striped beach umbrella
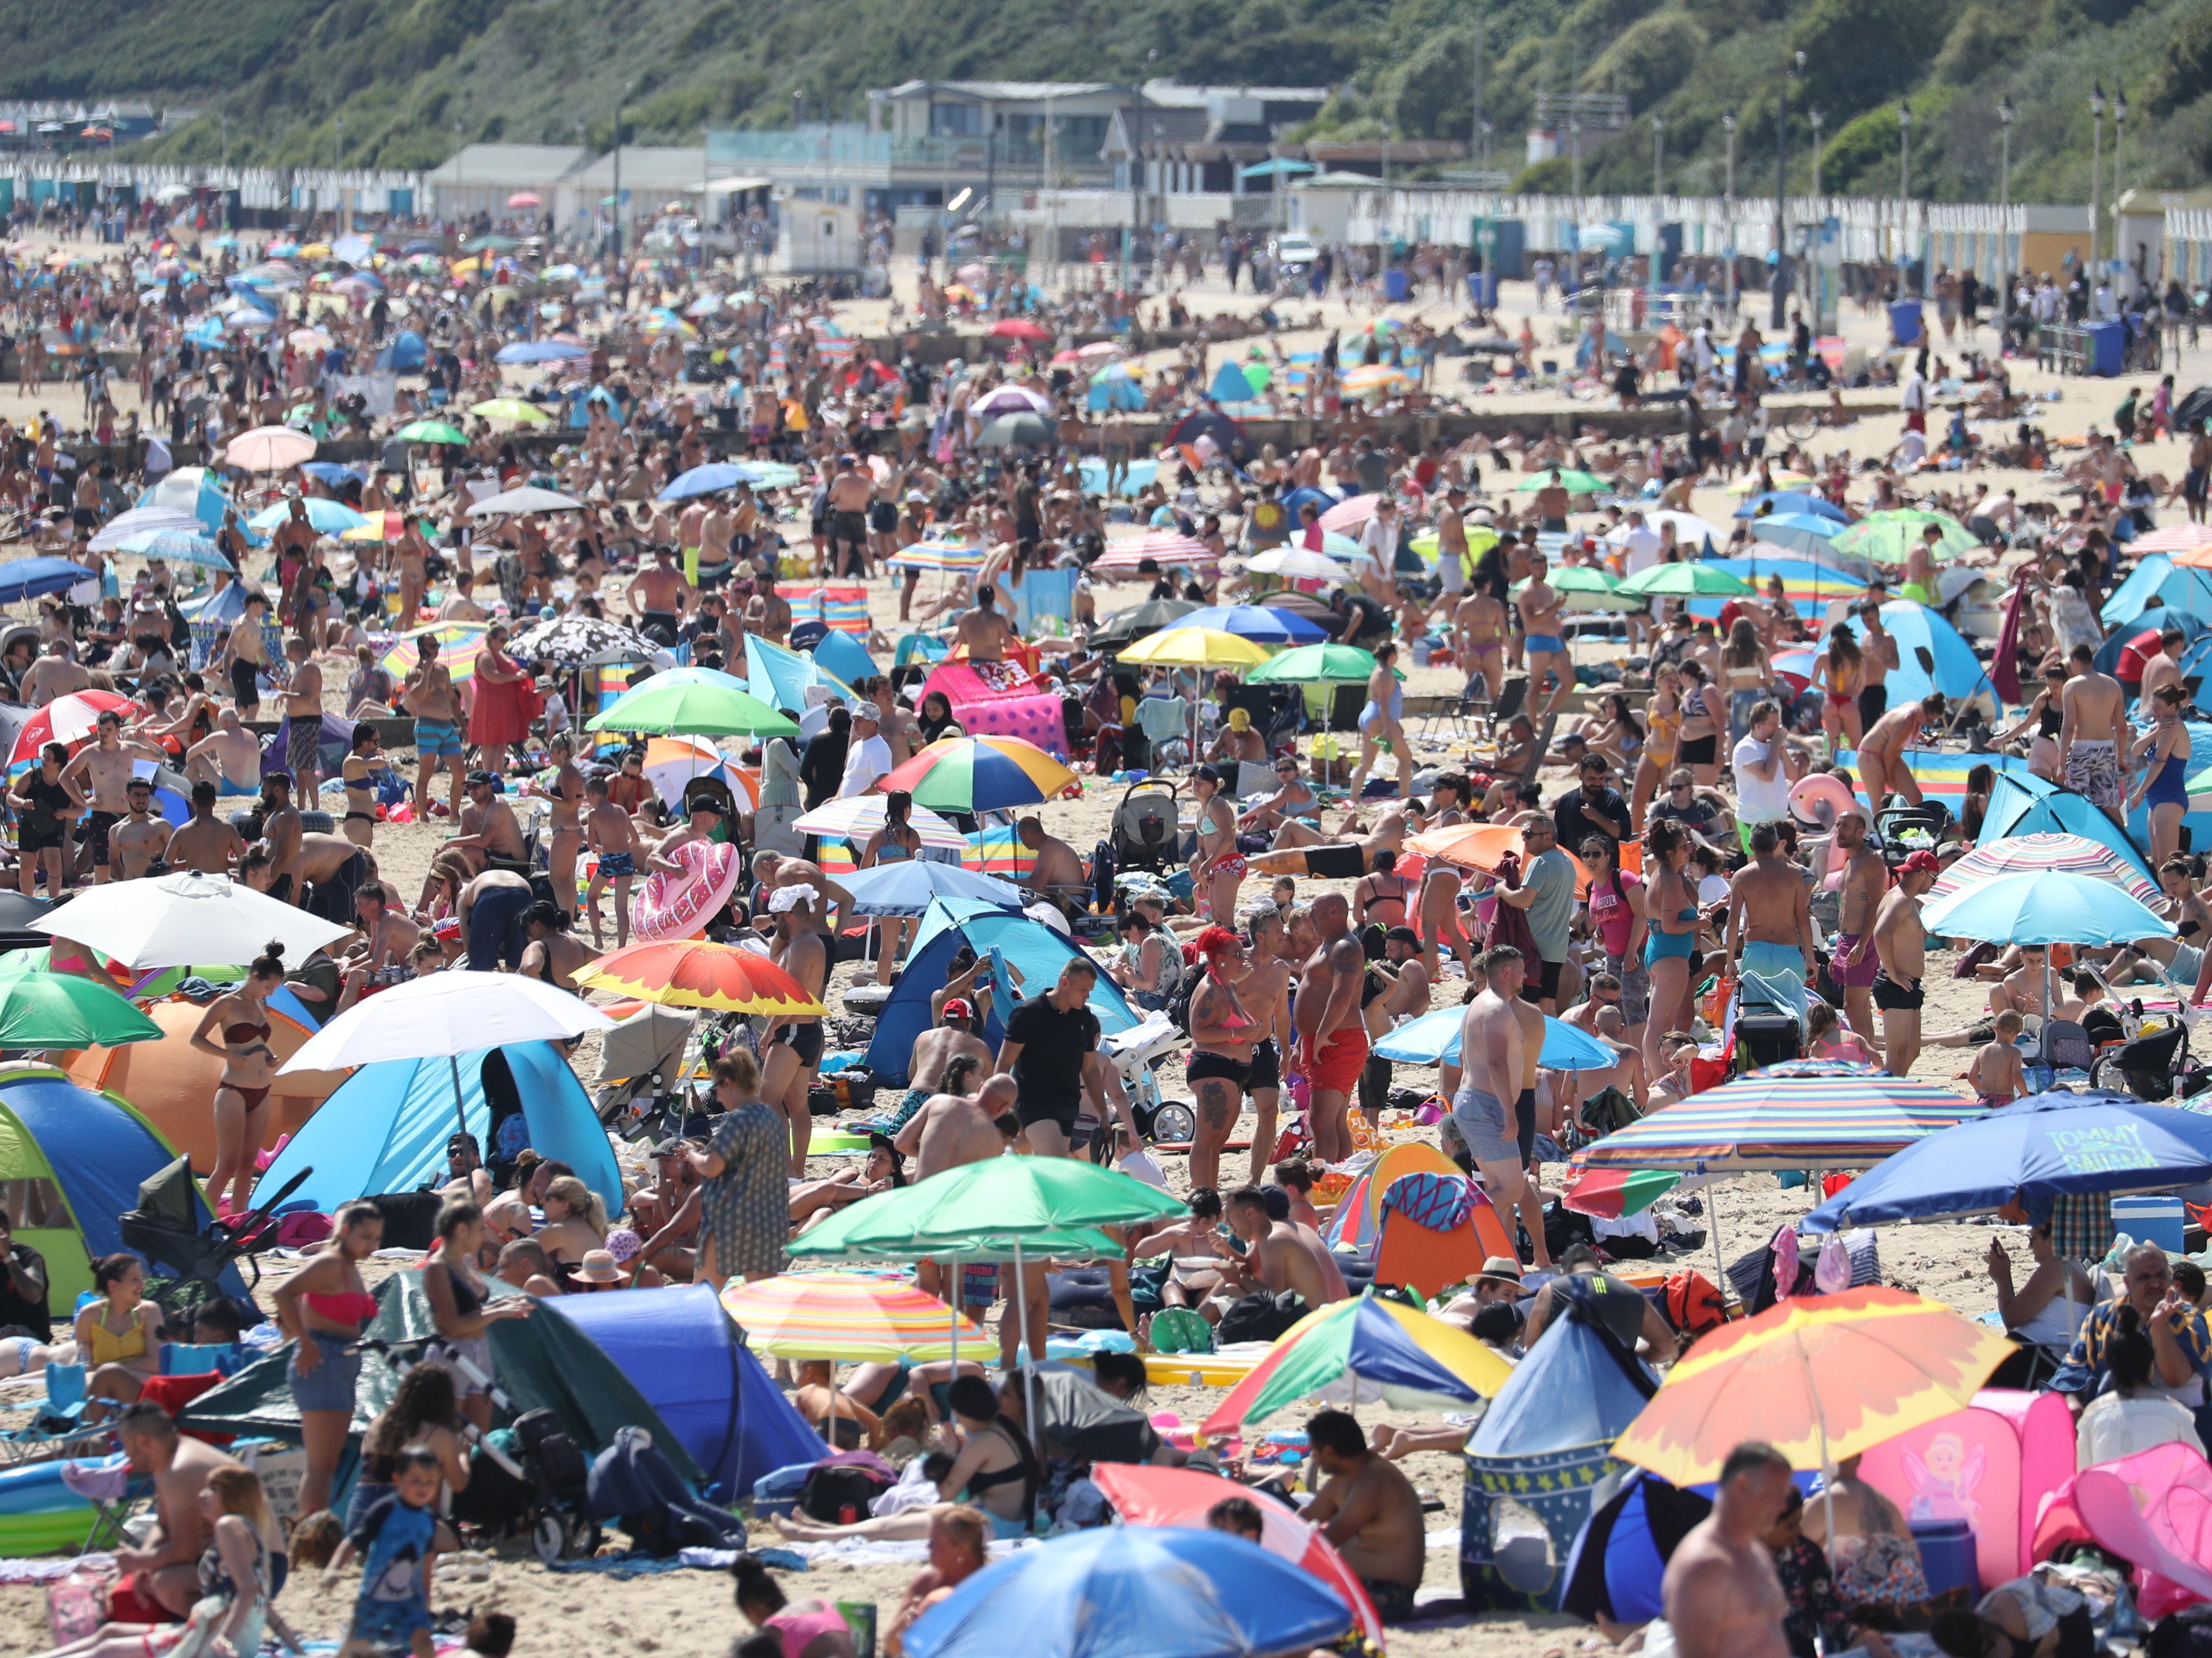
pixel 1165 548
pixel 998 851
pixel 860 817
pixel 460 645
pixel 938 556
pixel 692 973
pixel 981 773
pixel 1358 1352
pixel 851 1316
pixel 1785 1122
pixel 2071 854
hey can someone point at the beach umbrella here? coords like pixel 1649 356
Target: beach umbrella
pixel 938 556
pixel 1256 622
pixel 69 719
pixel 186 920
pixel 527 498
pixel 1820 1378
pixel 857 818
pixel 1795 669
pixel 712 479
pixel 1785 1122
pixel 574 641
pixel 269 449
pixel 1585 587
pixel 39 1009
pixel 1014 400
pixel 1800 532
pixel 693 972
pixel 1377 380
pixel 1144 1495
pixel 1887 537
pixel 691 706
pixel 845 1316
pixel 2031 1152
pixel 324 516
pixel 1297 564
pixel 1484 845
pixel 1124 627
pixel 1119 1591
pixel 908 886
pixel 1357 1351
pixel 193 546
pixel 1031 431
pixel 1197 647
pixel 1694 576
pixel 430 431
pixel 527 351
pixel 525 198
pixel 981 773
pixel 512 409
pixel 1017 328
pixel 460 645
pixel 1775 503
pixel 1306 664
pixel 1168 548
pixel 2071 854
pixel 1781 478
pixel 2055 907
pixel 1433 1039
pixel 1574 483
pixel 2183 537
pixel 1350 516
pixel 142 520
pixel 1615 1193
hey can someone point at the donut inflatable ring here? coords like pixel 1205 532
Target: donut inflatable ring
pixel 1819 800
pixel 679 906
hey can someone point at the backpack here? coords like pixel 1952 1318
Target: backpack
pixel 1693 1304
pixel 1607 1111
pixel 1179 998
pixel 833 1488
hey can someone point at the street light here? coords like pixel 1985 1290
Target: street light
pixel 1903 186
pixel 2119 139
pixel 1728 199
pixel 2004 205
pixel 1778 314
pixel 2096 164
pixel 1658 154
pixel 1818 121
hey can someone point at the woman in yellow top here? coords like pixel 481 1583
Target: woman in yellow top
pixel 118 1337
pixel 1662 734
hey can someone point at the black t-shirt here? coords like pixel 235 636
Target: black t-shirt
pixel 1373 618
pixel 14 1309
pixel 1699 814
pixel 1574 825
pixel 1048 1071
pixel 1614 1303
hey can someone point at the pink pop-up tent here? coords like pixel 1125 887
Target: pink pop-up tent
pixel 2154 1509
pixel 1990 1465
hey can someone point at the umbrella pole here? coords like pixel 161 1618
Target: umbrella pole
pixel 1030 1370
pixel 460 1109
pixel 1827 1463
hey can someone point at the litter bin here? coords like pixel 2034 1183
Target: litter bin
pixel 1396 286
pixel 1905 326
pixel 2108 347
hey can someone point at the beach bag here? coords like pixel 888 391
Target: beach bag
pixel 1260 1317
pixel 1693 1303
pixel 838 1493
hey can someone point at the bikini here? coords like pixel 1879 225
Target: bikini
pixel 236 1033
pixel 1367 907
pixel 354 1307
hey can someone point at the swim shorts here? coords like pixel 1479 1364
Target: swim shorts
pixel 96 833
pixel 612 863
pixel 1839 965
pixel 1891 997
pixel 303 745
pixel 2094 769
pixel 1334 1066
pixel 1544 644
pixel 1480 1120
pixel 1336 863
pixel 1266 1067
pixel 437 739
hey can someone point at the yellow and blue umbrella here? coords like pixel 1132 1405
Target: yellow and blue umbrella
pixel 460 645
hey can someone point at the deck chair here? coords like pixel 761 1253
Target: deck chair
pixel 1512 698
pixel 1459 712
pixel 56 1427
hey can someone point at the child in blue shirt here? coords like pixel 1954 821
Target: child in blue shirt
pixel 397 1541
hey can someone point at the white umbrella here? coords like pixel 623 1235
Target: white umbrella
pixel 1295 563
pixel 450 1014
pixel 856 819
pixel 188 920
pixel 269 449
pixel 528 499
pixel 111 535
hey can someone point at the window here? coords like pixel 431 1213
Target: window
pixel 1080 138
pixel 956 120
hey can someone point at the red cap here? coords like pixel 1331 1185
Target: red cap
pixel 1920 860
pixel 957 1007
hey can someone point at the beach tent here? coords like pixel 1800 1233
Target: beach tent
pixel 1365 1224
pixel 1030 947
pixel 1542 1445
pixel 2156 580
pixel 2024 803
pixel 71 1161
pixel 779 676
pixel 840 654
pixel 681 1351
pixel 385 1129
pixel 1636 1523
pixel 404 356
pixel 1990 1465
pixel 332 744
pixel 1932 656
pixel 2153 622
pixel 170 1082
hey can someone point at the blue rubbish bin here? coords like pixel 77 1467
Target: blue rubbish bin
pixel 1396 285
pixel 2108 347
pixel 1482 288
pixel 1904 324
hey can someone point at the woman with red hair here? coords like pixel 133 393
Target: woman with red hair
pixel 1221 1063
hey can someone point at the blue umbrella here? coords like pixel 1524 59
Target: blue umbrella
pixel 1801 532
pixel 708 480
pixel 2043 907
pixel 38 578
pixel 1433 1039
pixel 328 518
pixel 178 547
pixel 906 888
pixel 1261 623
pixel 542 351
pixel 1780 502
pixel 1133 1592
pixel 330 472
pixel 2035 1149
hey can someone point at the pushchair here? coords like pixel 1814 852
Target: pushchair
pixel 2149 1065
pixel 641 1078
pixel 165 1228
pixel 1147 829
pixel 1905 829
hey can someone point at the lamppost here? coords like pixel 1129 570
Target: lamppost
pixel 1727 206
pixel 1778 314
pixel 1658 156
pixel 1903 190
pixel 2004 207
pixel 621 98
pixel 222 120
pixel 2096 164
pixel 2119 139
pixel 1818 121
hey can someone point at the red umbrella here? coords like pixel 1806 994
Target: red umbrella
pixel 1019 328
pixel 1148 1495
pixel 1794 669
pixel 68 719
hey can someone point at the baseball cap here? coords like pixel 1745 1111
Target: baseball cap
pixel 958 1007
pixel 1923 859
pixel 489 779
pixel 1240 720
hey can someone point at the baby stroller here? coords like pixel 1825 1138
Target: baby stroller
pixel 1147 829
pixel 1905 829
pixel 2149 1066
pixel 165 1228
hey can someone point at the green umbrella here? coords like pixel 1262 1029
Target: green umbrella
pixel 1574 483
pixel 690 707
pixel 42 1009
pixel 1689 578
pixel 1889 537
pixel 1302 665
pixel 1586 589
pixel 430 431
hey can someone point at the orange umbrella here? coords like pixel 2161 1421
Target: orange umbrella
pixel 1481 846
pixel 1819 1378
pixel 692 973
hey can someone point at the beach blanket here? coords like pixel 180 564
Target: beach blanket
pixel 844 608
pixel 996 699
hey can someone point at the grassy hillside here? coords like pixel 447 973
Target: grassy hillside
pixel 412 78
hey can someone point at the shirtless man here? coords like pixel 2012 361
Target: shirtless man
pixel 1057 876
pixel 794 1051
pixel 280 834
pixel 488 824
pixel 327 870
pixel 1877 656
pixel 659 596
pixel 716 530
pixel 984 630
pixel 2093 734
pixel 247 654
pixel 205 843
pixel 1405 996
pixel 766 614
pixel 2020 990
pixel 167 1568
pixel 428 693
pixel 1866 882
pixel 1491 1065
pixel 1344 857
pixel 1902 944
pixel 1770 921
pixel 1331 1035
pixel 1370 1511
pixel 141 842
pixel 1279 1255
pixel 56 673
pixel 955 1128
pixel 104 772
pixel 690 536
pixel 894 724
pixel 379 957
pixel 1538 606
pixel 851 492
pixel 1723 1596
pixel 1265 991
pixel 772 870
pixel 228 758
pixel 955 1038
pixel 1882 768
pixel 303 717
pixel 2164 667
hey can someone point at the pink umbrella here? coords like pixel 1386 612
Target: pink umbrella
pixel 1794 669
pixel 974 273
pixel 2174 538
pixel 525 198
pixel 269 449
pixel 1349 517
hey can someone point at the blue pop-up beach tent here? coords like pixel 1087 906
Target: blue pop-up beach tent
pixel 385 1128
pixel 2157 581
pixel 681 1349
pixel 1932 656
pixel 2024 803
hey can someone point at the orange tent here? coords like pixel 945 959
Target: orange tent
pixel 172 1083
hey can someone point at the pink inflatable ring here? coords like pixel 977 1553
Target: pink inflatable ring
pixel 1819 800
pixel 679 906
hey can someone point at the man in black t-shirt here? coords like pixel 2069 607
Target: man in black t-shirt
pixel 1594 807
pixel 1364 622
pixel 23 1287
pixel 1049 1042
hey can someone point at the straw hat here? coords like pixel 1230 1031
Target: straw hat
pixel 599 1267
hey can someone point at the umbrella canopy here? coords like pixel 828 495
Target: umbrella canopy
pixel 269 449
pixel 430 431
pixel 1613 1193
pixel 1196 648
pixel 668 707
pixel 1433 1039
pixel 1584 587
pixel 1574 483
pixel 906 888
pixel 860 817
pixel 1297 564
pixel 1776 502
pixel 2045 907
pixel 39 1009
pixel 981 773
pixel 2071 854
pixel 460 645
pixel 2032 1151
pixel 193 546
pixel 1358 1351
pixel 692 973
pixel 711 479
pixel 940 556
pixel 511 408
pixel 1306 664
pixel 325 517
pixel 845 1316
pixel 1258 622
pixel 1117 1591
pixel 1124 627
pixel 1015 400
pixel 1484 846
pixel 1819 1378
pixel 1167 548
pixel 1889 537
pixel 1018 328
pixel 527 498
pixel 1800 532
pixel 447 1015
pixel 1000 1197
pixel 139 520
pixel 574 640
pixel 186 920
pixel 68 719
pixel 1785 1122
pixel 1695 577
pixel 1015 431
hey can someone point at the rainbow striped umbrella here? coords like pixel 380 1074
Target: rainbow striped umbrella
pixel 460 645
pixel 998 851
pixel 1785 1122
pixel 1358 1352
pixel 2073 854
pixel 851 1316
pixel 938 556
pixel 981 773
pixel 1166 547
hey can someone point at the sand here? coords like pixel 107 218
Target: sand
pixel 688 1613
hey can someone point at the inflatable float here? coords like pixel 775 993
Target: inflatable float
pixel 679 905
